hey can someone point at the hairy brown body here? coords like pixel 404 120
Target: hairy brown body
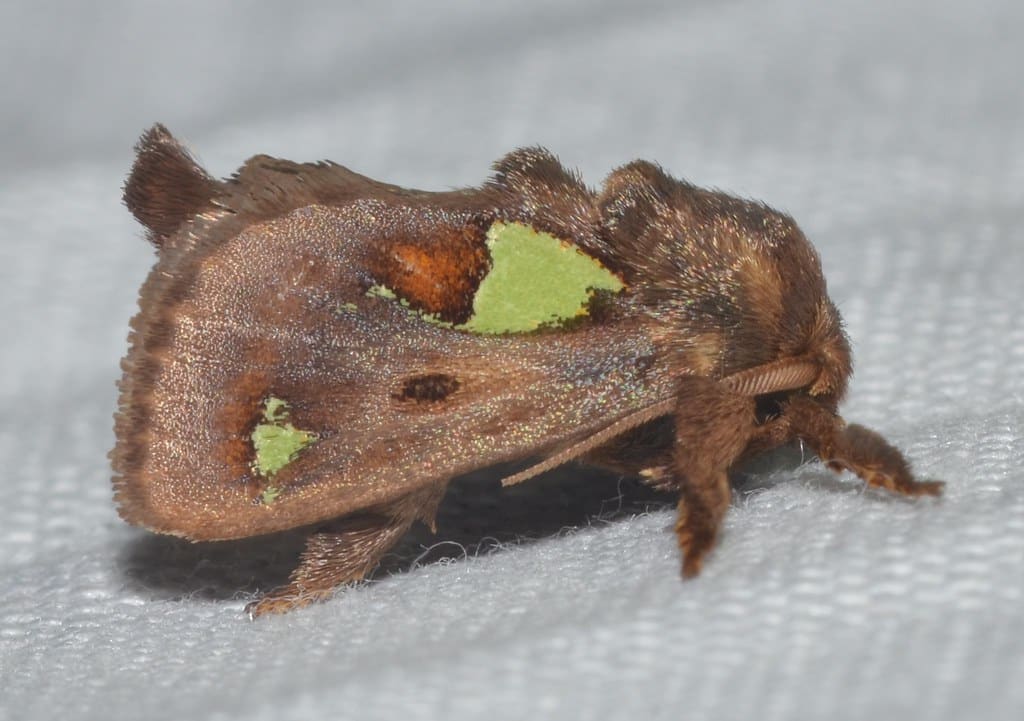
pixel 263 288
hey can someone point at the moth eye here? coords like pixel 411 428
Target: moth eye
pixel 428 388
pixel 768 406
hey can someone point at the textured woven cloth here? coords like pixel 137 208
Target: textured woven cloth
pixel 893 132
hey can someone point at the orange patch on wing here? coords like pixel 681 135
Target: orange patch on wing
pixel 437 273
pixel 236 418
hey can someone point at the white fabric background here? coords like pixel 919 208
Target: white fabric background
pixel 893 132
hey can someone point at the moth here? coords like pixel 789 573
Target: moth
pixel 318 349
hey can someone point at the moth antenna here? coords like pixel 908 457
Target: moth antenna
pixel 167 187
pixel 787 374
pixel 657 410
pixel 784 375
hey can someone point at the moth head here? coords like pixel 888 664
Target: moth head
pixel 829 347
pixel 820 372
pixel 771 300
pixel 735 273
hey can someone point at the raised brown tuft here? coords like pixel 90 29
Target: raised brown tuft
pixel 166 187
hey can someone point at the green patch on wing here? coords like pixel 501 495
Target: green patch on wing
pixel 269 495
pixel 535 280
pixel 277 442
pixel 382 291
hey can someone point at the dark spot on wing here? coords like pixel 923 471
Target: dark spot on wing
pixel 428 388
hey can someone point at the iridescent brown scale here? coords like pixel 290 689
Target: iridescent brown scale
pixel 262 321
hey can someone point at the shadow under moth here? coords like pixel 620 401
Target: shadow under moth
pixel 316 348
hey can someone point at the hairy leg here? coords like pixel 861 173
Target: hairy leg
pixel 855 448
pixel 347 552
pixel 645 451
pixel 713 427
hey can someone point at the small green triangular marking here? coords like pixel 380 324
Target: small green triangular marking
pixel 276 442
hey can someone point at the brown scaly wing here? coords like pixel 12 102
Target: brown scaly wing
pixel 242 307
pixel 395 402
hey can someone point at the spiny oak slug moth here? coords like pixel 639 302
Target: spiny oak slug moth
pixel 316 347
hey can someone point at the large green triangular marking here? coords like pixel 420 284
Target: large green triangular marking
pixel 536 279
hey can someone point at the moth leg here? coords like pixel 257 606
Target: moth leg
pixel 855 448
pixel 770 435
pixel 713 427
pixel 645 451
pixel 330 560
pixel 348 552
